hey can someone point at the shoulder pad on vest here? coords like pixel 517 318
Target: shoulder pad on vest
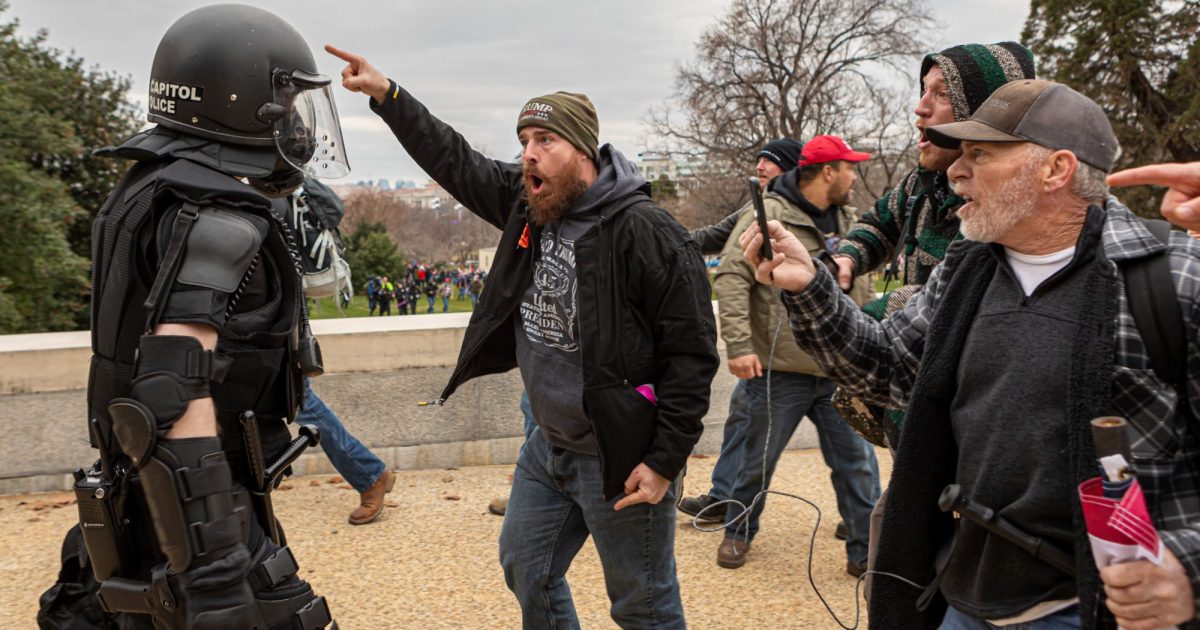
pixel 220 247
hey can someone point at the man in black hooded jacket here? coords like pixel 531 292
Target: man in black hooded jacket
pixel 601 299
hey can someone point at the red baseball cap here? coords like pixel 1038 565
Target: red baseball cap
pixel 823 149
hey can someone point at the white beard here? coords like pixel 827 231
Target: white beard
pixel 992 219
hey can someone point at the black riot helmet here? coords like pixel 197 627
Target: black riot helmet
pixel 243 76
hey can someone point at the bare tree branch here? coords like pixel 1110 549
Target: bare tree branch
pixel 793 68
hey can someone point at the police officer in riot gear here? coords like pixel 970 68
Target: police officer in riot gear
pixel 200 340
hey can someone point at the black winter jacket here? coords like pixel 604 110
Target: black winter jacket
pixel 645 314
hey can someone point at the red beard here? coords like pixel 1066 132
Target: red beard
pixel 549 197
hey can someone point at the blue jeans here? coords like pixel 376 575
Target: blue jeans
pixel 430 298
pixel 556 502
pixel 851 460
pixel 724 474
pixel 1068 619
pixel 445 303
pixel 527 412
pixel 353 461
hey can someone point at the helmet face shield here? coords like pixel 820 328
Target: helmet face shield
pixel 309 135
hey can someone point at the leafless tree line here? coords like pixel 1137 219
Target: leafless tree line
pixel 795 68
pixel 442 235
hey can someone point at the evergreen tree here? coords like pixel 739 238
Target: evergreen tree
pixel 53 113
pixel 1140 60
pixel 371 252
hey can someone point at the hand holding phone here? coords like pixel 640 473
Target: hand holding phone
pixel 760 215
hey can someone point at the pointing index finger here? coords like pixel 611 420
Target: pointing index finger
pixel 343 55
pixel 1156 174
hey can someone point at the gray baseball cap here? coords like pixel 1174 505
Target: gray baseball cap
pixel 1045 113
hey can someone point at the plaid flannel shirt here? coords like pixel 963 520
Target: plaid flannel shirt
pixel 879 361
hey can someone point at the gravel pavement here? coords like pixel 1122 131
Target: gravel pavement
pixel 431 561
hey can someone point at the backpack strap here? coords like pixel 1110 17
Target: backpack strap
pixel 169 266
pixel 1150 290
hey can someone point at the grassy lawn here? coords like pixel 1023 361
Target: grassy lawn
pixel 358 307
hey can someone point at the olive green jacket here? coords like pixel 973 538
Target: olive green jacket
pixel 750 312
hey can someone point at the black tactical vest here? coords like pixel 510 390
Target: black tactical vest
pixel 265 314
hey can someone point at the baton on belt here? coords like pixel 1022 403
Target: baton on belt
pixel 953 499
pixel 267 477
pixel 309 436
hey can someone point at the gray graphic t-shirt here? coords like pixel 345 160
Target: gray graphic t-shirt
pixel 548 338
pixel 548 310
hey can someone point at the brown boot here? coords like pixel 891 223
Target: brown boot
pixel 732 553
pixel 371 500
pixel 855 569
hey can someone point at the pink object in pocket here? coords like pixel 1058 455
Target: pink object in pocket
pixel 647 392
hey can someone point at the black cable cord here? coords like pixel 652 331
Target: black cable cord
pixel 812 541
pixel 742 520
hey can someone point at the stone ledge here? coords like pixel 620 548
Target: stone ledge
pixel 415 457
pixel 396 362
pixel 314 462
pixel 51 362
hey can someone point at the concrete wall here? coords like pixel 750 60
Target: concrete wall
pixel 51 362
pixel 380 370
pixel 44 362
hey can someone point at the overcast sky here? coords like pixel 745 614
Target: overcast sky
pixel 472 63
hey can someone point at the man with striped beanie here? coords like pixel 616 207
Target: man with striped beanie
pixel 918 219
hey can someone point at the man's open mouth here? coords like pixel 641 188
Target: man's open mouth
pixel 535 184
pixel 968 201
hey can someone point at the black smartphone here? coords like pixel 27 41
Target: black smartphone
pixel 761 216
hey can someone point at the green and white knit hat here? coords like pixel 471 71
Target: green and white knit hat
pixel 974 71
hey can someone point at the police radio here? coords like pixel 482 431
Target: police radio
pixel 309 353
pixel 100 521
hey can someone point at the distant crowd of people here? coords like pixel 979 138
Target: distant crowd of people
pixel 420 280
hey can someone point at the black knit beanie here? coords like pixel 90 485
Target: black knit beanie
pixel 570 115
pixel 784 152
pixel 974 71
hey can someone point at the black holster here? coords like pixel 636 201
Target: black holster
pixel 101 520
